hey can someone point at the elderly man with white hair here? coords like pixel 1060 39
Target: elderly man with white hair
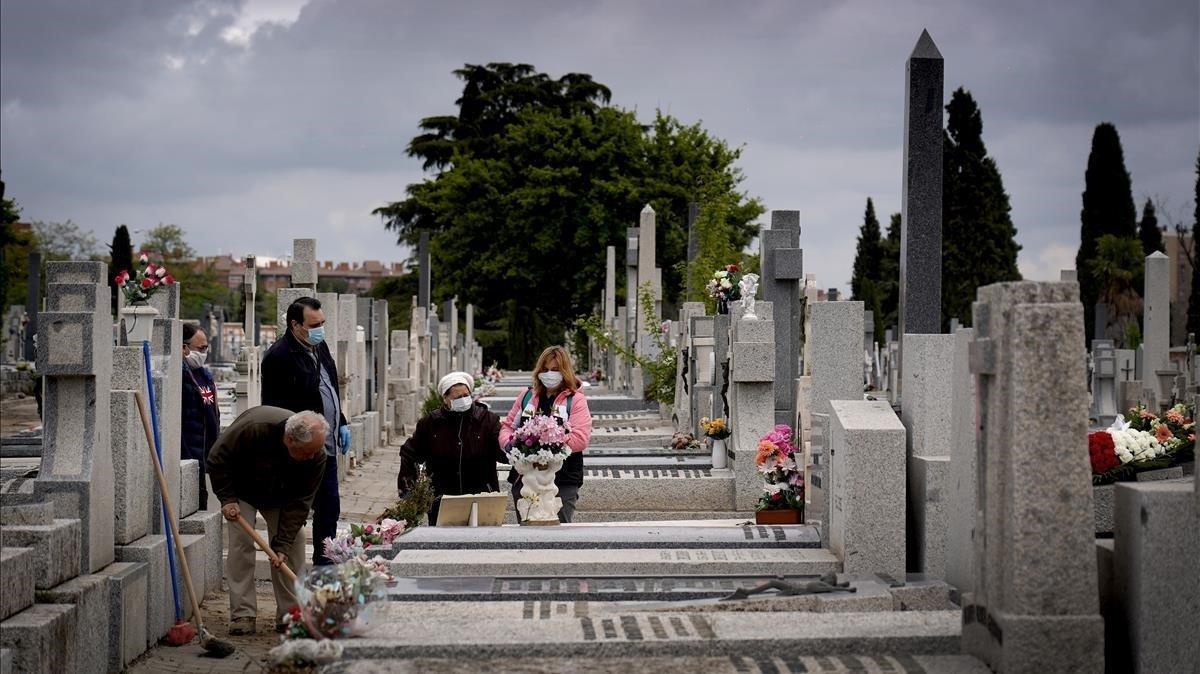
pixel 268 461
pixel 459 444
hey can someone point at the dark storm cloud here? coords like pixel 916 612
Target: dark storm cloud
pixel 143 112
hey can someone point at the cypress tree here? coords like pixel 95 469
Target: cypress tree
pixel 1108 208
pixel 121 258
pixel 1148 231
pixel 978 237
pixel 889 277
pixel 868 259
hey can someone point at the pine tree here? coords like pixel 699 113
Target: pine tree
pixel 1193 320
pixel 979 244
pixel 1108 208
pixel 121 258
pixel 868 260
pixel 1148 231
pixel 889 277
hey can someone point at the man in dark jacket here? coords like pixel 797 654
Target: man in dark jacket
pixel 200 420
pixel 298 373
pixel 459 443
pixel 271 461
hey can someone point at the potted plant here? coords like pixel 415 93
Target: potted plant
pixel 537 451
pixel 138 287
pixel 723 287
pixel 782 501
pixel 716 430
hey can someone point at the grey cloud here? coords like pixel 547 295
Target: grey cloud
pixel 95 126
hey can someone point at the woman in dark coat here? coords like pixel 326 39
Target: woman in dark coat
pixel 458 443
pixel 200 420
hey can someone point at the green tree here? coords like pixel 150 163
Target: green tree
pixel 15 245
pixel 889 276
pixel 199 282
pixel 1148 230
pixel 120 253
pixel 979 243
pixel 1117 270
pixel 533 178
pixel 868 258
pixel 65 241
pixel 1108 208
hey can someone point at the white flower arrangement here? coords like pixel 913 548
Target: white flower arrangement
pixel 1134 445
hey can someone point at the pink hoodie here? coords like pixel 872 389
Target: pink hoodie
pixel 579 419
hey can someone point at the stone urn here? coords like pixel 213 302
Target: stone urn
pixel 718 452
pixel 539 502
pixel 139 322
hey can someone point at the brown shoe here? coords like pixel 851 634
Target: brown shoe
pixel 241 627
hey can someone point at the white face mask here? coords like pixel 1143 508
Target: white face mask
pixel 550 380
pixel 461 404
pixel 196 359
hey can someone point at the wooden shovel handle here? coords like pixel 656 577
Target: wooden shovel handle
pixel 262 544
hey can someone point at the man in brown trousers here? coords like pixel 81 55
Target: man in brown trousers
pixel 271 461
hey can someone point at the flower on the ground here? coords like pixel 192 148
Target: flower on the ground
pixel 390 530
pixel 781 470
pixel 1102 452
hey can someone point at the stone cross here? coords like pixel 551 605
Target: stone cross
pixel 630 328
pixel 610 306
pixel 782 269
pixel 304 263
pixel 645 274
pixel 452 312
pixel 921 220
pixel 752 374
pixel 1104 384
pixel 75 359
pixel 423 283
pixel 1035 551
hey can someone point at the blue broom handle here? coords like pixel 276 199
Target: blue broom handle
pixel 158 452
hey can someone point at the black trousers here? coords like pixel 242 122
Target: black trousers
pixel 327 508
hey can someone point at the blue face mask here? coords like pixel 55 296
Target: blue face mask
pixel 316 335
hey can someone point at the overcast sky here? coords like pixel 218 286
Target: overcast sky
pixel 251 123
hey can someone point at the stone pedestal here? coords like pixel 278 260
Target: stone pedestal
pixel 928 397
pixel 866 509
pixel 1156 580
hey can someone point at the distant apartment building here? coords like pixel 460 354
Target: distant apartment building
pixel 276 274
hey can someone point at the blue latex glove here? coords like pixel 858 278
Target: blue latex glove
pixel 344 437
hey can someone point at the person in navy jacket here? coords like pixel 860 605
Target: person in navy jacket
pixel 200 420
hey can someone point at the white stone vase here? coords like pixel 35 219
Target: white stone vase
pixel 718 453
pixel 539 502
pixel 139 322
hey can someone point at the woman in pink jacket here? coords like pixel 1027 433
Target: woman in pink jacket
pixel 555 392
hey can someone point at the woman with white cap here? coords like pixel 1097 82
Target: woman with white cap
pixel 458 443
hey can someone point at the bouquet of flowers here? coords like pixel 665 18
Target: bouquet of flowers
pixel 1141 441
pixel 716 429
pixel 335 602
pixel 143 283
pixel 538 441
pixel 352 546
pixel 723 286
pixel 483 388
pixel 784 475
pixel 683 441
pixel 494 374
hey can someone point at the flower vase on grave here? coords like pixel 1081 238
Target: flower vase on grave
pixel 723 307
pixel 139 322
pixel 718 453
pixel 539 502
